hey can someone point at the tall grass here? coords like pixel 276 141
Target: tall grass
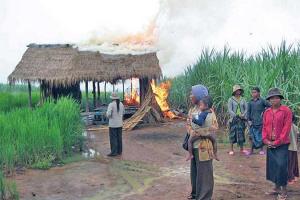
pixel 220 70
pixel 8 189
pixel 16 88
pixel 12 100
pixel 16 96
pixel 49 133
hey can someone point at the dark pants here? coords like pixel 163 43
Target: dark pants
pixel 202 178
pixel 256 137
pixel 293 168
pixel 237 131
pixel 115 137
pixel 277 165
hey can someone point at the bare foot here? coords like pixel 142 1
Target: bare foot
pixel 190 157
pixel 216 158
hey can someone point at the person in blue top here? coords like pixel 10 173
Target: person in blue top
pixel 256 108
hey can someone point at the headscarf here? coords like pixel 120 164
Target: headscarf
pixel 199 91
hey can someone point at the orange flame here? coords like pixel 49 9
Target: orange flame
pixel 132 98
pixel 161 95
pixel 143 39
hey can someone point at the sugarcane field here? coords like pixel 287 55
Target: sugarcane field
pixel 149 100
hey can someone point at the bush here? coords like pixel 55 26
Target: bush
pixel 29 136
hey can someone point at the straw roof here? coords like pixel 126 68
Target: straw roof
pixel 65 65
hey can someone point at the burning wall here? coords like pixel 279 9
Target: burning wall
pixel 161 93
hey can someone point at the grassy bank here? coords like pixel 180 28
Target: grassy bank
pixel 220 70
pixel 39 137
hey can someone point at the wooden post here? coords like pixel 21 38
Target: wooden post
pixel 87 96
pixel 41 93
pixel 94 94
pixel 131 89
pixel 105 92
pixel 123 90
pixel 98 93
pixel 29 95
pixel 144 87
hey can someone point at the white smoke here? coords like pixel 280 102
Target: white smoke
pixel 184 28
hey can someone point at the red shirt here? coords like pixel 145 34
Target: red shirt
pixel 277 126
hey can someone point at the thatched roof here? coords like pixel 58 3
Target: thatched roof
pixel 63 64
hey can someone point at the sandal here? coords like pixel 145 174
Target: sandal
pixel 291 182
pixel 231 153
pixel 281 197
pixel 246 153
pixel 272 192
pixel 191 197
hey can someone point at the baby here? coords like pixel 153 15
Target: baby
pixel 198 122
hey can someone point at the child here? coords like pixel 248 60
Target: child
pixel 198 121
pixel 256 108
pixel 293 168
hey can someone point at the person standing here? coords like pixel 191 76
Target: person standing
pixel 293 167
pixel 115 112
pixel 277 123
pixel 202 178
pixel 237 108
pixel 256 108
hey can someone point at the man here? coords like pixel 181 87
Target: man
pixel 256 108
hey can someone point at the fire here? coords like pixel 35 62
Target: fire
pixel 161 95
pixel 132 98
pixel 141 42
pixel 142 38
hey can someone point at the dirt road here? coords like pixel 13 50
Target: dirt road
pixel 153 166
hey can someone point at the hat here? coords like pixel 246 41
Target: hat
pixel 236 88
pixel 199 91
pixel 114 96
pixel 274 92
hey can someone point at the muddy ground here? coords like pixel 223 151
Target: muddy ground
pixel 153 166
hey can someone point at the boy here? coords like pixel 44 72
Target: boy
pixel 256 108
pixel 198 121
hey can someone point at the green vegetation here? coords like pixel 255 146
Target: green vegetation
pixel 8 189
pixel 16 96
pixel 39 137
pixel 16 88
pixel 220 70
pixel 10 101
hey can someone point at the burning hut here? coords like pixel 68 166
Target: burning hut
pixel 59 69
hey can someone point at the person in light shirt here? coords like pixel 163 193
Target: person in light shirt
pixel 115 112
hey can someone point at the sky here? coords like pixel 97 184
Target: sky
pixel 182 28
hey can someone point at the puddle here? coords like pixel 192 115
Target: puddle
pixel 91 153
pixel 84 134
